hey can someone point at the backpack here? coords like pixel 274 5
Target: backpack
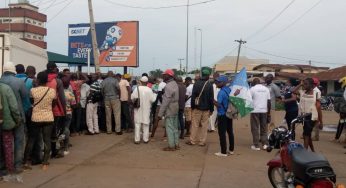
pixel 339 105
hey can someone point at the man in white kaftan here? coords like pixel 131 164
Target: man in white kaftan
pixel 142 114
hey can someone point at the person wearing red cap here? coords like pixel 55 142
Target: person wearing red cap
pixel 169 109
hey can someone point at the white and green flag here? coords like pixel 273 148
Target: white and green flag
pixel 243 101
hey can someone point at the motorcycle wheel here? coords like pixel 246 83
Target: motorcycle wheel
pixel 278 177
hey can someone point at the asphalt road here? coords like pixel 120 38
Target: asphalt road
pixel 114 161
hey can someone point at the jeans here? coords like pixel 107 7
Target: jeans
pixel 19 139
pixel 225 125
pixel 181 122
pixel 115 106
pixel 46 130
pixel 57 129
pixel 68 120
pixel 126 116
pixel 172 130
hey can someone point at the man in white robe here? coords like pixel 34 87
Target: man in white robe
pixel 142 114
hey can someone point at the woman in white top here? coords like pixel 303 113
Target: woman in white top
pixel 308 106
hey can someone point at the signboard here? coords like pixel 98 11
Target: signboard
pixel 117 42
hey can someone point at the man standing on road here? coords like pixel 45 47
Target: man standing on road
pixel 318 94
pixel 188 111
pixel 160 92
pixel 258 119
pixel 169 109
pixel 182 92
pixel 274 95
pixel 142 114
pixel 202 104
pixel 18 87
pixel 111 91
pixel 125 98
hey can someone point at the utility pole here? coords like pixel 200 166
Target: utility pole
pixel 240 43
pixel 93 37
pixel 187 36
pixel 310 65
pixel 201 51
pixel 180 66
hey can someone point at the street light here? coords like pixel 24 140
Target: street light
pixel 201 52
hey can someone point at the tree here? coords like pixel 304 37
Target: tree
pixel 155 73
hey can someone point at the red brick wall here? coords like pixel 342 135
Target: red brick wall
pixel 40 44
pixel 19 12
pixel 19 27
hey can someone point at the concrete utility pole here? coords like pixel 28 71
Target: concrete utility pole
pixel 240 43
pixel 310 65
pixel 201 51
pixel 96 51
pixel 180 66
pixel 187 36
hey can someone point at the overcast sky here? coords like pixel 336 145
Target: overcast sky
pixel 319 35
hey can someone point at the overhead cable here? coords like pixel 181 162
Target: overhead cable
pixel 161 7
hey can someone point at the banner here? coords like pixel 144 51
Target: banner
pixel 117 43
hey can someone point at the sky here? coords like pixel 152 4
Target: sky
pixel 308 29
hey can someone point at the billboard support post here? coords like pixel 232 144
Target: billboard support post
pixel 125 70
pixel 89 61
pixel 93 37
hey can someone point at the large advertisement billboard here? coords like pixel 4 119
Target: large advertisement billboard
pixel 117 42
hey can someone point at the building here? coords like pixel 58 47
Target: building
pixel 305 69
pixel 227 65
pixel 330 79
pixel 25 22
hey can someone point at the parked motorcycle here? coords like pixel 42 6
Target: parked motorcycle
pixel 294 166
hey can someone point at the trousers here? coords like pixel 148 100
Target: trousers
pixel 225 125
pixel 92 118
pixel 259 128
pixel 172 130
pixel 199 128
pixel 115 106
pixel 138 128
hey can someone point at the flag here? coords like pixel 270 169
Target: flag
pixel 243 101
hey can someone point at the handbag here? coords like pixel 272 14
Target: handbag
pixel 199 96
pixel 231 111
pixel 137 101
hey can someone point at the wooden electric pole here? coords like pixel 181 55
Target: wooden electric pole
pixel 96 51
pixel 240 43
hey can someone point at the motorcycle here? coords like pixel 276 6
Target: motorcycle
pixel 294 166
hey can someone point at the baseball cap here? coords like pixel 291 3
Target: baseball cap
pixel 169 72
pixel 222 79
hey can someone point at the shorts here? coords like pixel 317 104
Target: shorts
pixel 188 114
pixel 308 126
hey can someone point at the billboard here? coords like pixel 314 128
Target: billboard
pixel 117 42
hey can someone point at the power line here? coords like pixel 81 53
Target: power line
pixel 60 11
pixel 290 58
pixel 49 5
pixel 271 21
pixel 291 24
pixel 161 7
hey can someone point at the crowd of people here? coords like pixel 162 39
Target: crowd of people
pixel 40 112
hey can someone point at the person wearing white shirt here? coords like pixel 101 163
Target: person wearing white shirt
pixel 142 114
pixel 188 110
pixel 318 94
pixel 212 119
pixel 258 119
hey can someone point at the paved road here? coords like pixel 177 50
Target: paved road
pixel 114 161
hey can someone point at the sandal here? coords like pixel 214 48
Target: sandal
pixel 168 149
pixel 189 143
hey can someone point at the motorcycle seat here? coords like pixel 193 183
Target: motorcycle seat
pixel 307 165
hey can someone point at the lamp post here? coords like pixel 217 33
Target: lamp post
pixel 201 51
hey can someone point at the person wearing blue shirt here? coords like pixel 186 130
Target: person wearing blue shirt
pixel 225 124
